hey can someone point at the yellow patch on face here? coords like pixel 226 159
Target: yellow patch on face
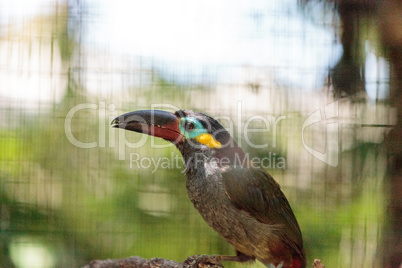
pixel 208 140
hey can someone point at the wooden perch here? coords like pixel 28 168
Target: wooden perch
pixel 192 261
pixel 133 262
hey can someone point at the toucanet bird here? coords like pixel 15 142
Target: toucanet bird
pixel 245 205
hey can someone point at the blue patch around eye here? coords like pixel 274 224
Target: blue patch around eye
pixel 197 130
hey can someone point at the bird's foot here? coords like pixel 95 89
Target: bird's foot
pixel 201 261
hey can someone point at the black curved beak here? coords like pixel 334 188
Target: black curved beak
pixel 156 123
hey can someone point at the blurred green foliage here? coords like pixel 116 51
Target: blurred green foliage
pixel 84 204
pixel 67 205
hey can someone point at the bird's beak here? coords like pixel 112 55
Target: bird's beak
pixel 156 123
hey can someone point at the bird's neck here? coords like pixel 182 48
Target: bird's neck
pixel 198 160
pixel 203 164
pixel 228 156
pixel 203 177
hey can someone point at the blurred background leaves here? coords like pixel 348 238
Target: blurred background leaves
pixel 62 205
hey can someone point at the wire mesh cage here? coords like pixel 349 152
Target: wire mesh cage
pixel 301 86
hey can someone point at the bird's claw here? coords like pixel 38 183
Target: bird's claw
pixel 203 261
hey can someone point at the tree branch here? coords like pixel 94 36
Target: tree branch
pixel 131 262
pixel 204 261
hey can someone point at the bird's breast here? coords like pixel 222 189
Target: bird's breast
pixel 208 195
pixel 243 231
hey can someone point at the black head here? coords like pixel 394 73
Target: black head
pixel 191 132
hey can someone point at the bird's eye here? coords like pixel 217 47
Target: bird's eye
pixel 189 126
